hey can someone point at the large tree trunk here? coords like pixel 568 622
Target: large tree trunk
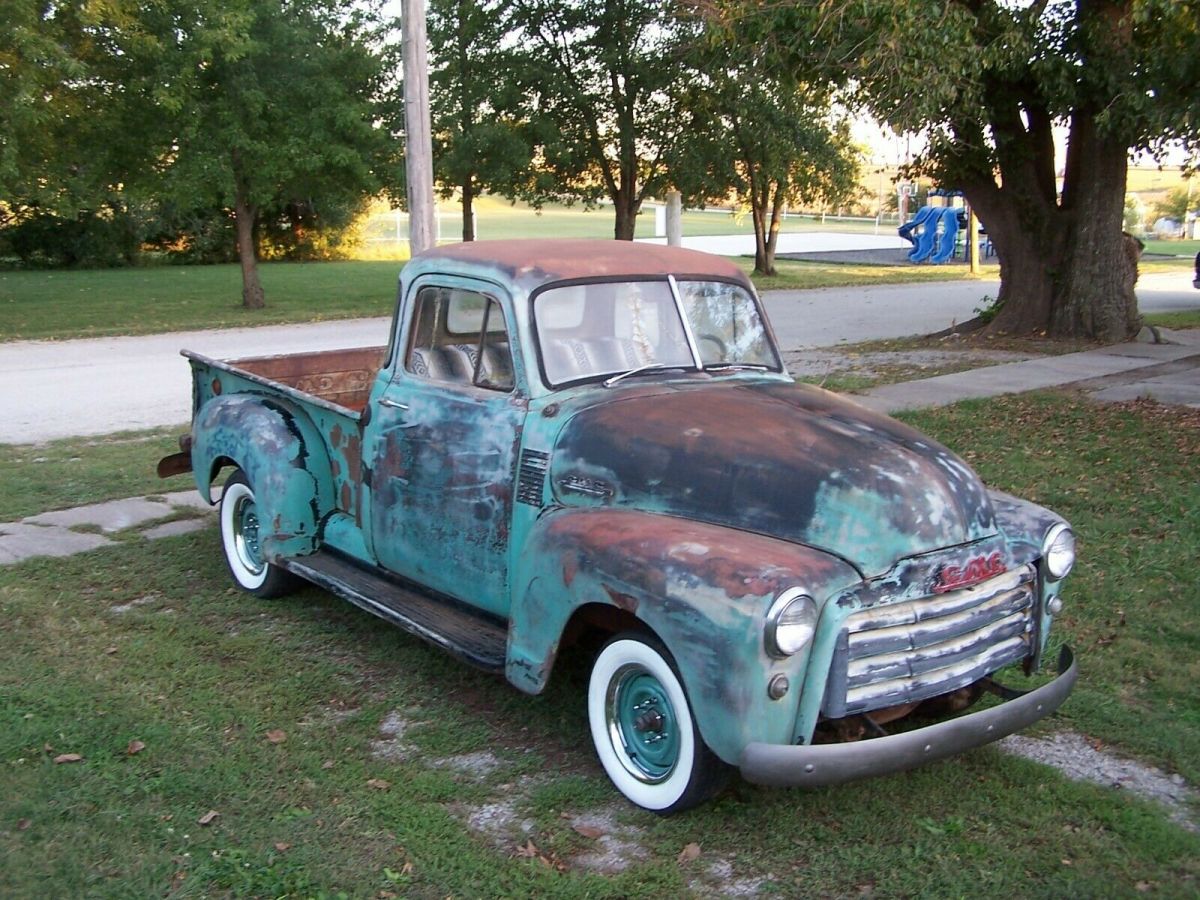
pixel 468 209
pixel 252 292
pixel 1064 266
pixel 1095 296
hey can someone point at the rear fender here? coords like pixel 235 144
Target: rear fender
pixel 703 590
pixel 280 450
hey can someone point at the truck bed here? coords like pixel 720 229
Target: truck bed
pixel 339 377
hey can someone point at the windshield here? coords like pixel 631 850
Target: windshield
pixel 596 330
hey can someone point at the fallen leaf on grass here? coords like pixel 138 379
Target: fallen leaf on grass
pixel 328 764
pixel 68 758
pixel 689 853
pixel 23 824
pixel 282 846
pixel 110 650
pixel 276 735
pixel 208 818
pixel 134 748
pixel 588 831
pixel 529 851
pixel 379 784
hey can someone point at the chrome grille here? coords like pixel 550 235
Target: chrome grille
pixel 904 652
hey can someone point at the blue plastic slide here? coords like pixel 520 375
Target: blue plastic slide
pixel 923 243
pixel 906 231
pixel 948 238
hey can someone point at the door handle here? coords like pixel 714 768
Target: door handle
pixel 393 404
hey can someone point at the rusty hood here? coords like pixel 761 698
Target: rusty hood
pixel 786 460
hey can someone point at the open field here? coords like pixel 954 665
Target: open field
pixel 66 304
pixel 344 756
pixel 497 218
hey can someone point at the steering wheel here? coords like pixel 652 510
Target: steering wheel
pixel 722 350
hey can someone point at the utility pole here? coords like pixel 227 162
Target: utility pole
pixel 418 144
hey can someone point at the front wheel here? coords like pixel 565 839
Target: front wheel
pixel 642 727
pixel 240 541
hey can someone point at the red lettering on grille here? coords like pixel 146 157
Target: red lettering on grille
pixel 981 568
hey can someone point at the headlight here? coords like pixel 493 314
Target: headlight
pixel 791 621
pixel 1058 550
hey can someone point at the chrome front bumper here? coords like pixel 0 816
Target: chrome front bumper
pixel 785 765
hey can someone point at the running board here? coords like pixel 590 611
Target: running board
pixel 473 637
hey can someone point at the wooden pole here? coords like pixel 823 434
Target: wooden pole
pixel 418 145
pixel 674 219
pixel 973 242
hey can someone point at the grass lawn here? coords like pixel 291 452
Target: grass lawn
pixel 72 472
pixel 66 304
pixel 343 756
pixel 1183 249
pixel 1185 318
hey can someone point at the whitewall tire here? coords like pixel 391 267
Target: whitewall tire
pixel 240 542
pixel 643 730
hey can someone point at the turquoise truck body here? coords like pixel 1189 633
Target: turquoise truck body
pixel 504 478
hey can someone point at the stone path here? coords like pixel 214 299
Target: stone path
pixel 66 532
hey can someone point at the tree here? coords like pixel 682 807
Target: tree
pixel 770 141
pixel 72 132
pixel 601 82
pixel 988 80
pixel 1178 203
pixel 153 113
pixel 272 109
pixel 475 144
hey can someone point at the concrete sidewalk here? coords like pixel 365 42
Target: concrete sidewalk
pixel 1168 372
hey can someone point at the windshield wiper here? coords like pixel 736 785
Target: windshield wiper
pixel 609 382
pixel 737 367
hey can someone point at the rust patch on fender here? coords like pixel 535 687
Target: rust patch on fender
pixel 628 544
pixel 622 600
pixel 570 567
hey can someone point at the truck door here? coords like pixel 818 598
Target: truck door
pixel 444 437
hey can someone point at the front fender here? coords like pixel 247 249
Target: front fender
pixel 703 589
pixel 1023 524
pixel 280 450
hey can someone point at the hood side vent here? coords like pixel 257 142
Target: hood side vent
pixel 531 479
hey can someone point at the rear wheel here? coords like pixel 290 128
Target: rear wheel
pixel 643 729
pixel 240 541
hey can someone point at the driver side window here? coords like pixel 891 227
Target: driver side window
pixel 459 336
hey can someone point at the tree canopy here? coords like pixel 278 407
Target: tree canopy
pixel 477 142
pixel 601 83
pixel 249 112
pixel 764 138
pixel 987 81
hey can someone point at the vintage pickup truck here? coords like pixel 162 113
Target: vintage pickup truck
pixel 596 444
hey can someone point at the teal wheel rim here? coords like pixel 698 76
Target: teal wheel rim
pixel 245 525
pixel 643 724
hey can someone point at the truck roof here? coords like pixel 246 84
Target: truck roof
pixel 535 262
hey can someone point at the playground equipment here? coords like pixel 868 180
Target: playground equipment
pixel 933 231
